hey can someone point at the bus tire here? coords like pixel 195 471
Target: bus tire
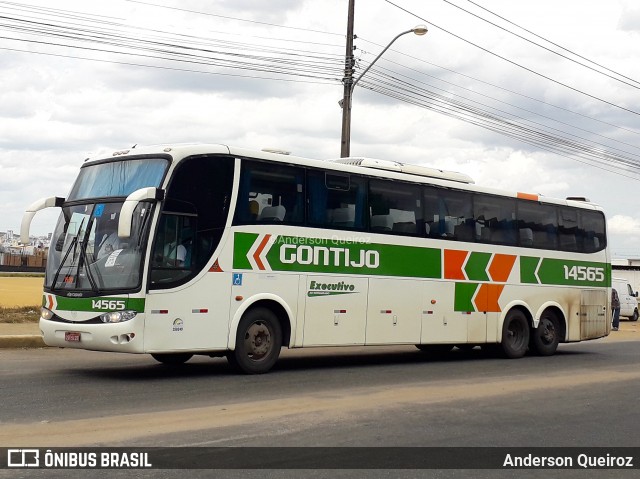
pixel 515 335
pixel 172 359
pixel 258 342
pixel 545 338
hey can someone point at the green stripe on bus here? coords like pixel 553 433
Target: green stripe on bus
pixel 100 304
pixel 464 296
pixel 564 272
pixel 528 265
pixel 321 255
pixel 242 243
pixel 476 267
pixel 317 255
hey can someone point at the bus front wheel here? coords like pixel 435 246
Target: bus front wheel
pixel 258 342
pixel 515 335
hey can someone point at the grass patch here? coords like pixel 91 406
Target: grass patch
pixel 21 275
pixel 24 314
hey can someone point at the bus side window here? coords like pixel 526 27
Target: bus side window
pixel 568 229
pixel 458 216
pixel 592 230
pixel 336 200
pixel 495 219
pixel 394 207
pixel 270 193
pixel 431 212
pixel 542 220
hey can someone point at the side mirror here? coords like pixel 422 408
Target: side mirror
pixel 52 201
pixel 129 206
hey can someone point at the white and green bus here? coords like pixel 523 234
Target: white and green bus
pixel 211 250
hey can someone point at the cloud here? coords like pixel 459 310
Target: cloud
pixel 630 19
pixel 57 111
pixel 624 225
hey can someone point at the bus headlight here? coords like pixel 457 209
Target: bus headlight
pixel 117 316
pixel 46 313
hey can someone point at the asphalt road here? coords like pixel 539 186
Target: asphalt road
pixel 585 395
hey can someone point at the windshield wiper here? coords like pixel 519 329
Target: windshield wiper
pixel 62 263
pixel 87 267
pixel 74 242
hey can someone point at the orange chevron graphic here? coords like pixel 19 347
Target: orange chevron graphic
pixel 487 297
pixel 501 266
pixel 453 261
pixel 256 255
pixel 49 301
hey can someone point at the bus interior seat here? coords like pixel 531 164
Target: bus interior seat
pixel 273 213
pixel 343 217
pixel 464 232
pixel 404 227
pixel 526 237
pixel 486 234
pixel 381 223
pixel 568 242
pixel 449 227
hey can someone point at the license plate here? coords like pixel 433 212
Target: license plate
pixel 72 337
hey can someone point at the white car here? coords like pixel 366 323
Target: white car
pixel 628 298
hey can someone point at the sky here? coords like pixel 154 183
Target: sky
pixel 258 74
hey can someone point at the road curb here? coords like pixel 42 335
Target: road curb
pixel 18 341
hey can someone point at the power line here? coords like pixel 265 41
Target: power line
pixel 313 66
pixel 559 144
pixel 160 67
pixel 546 48
pixel 552 43
pixel 493 85
pixel 302 60
pixel 577 90
pixel 473 92
pixel 234 18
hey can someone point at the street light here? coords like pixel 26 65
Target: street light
pixel 345 103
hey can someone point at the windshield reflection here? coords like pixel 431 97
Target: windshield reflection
pixel 88 255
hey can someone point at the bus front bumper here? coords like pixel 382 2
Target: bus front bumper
pixel 126 337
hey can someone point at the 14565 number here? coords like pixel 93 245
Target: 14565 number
pixel 584 273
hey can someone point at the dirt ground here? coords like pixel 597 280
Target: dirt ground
pixel 16 291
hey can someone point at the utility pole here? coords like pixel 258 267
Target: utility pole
pixel 349 83
pixel 347 80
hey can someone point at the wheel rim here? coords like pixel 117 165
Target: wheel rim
pixel 547 332
pixel 516 334
pixel 257 341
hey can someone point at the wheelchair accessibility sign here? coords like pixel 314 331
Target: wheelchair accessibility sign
pixel 237 279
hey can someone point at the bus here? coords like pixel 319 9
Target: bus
pixel 182 250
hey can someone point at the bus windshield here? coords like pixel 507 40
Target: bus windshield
pixel 117 178
pixel 87 254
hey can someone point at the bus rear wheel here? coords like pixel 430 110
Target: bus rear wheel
pixel 172 359
pixel 258 342
pixel 515 335
pixel 545 338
